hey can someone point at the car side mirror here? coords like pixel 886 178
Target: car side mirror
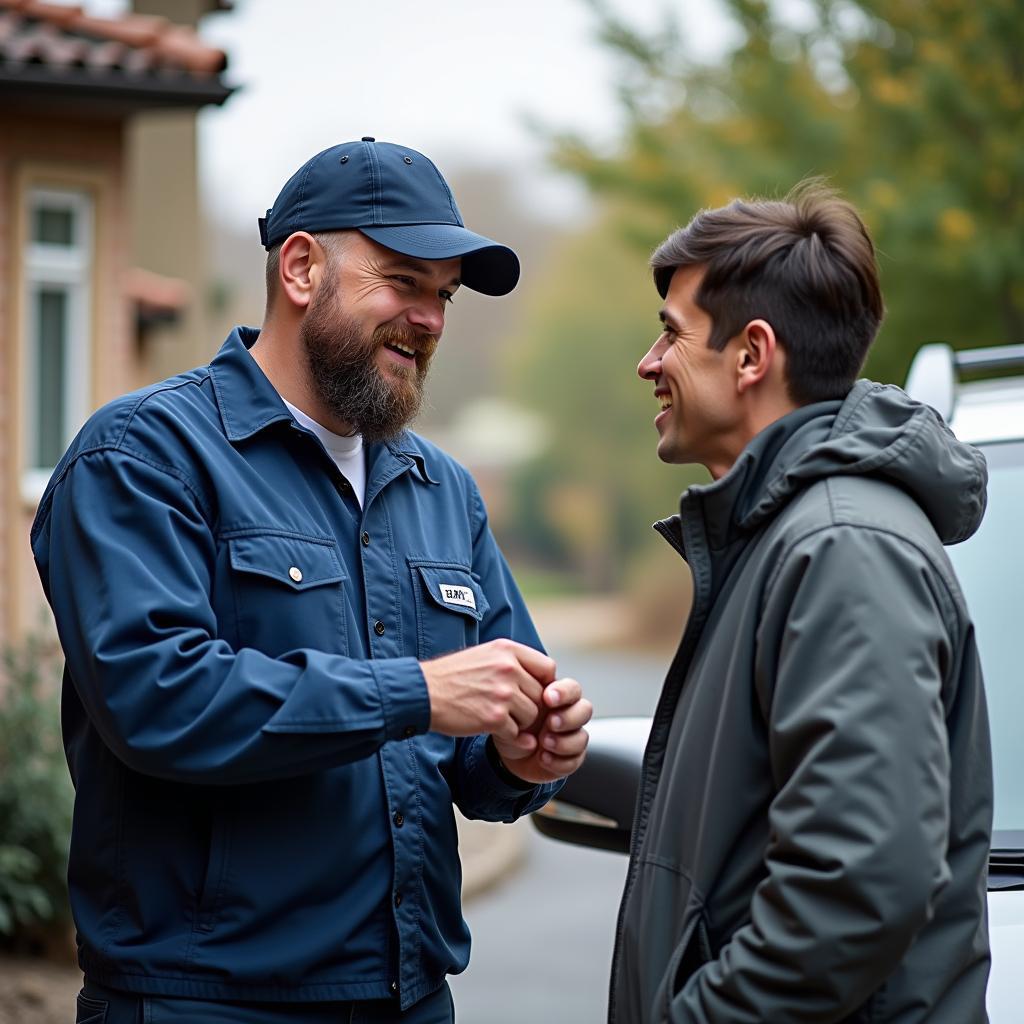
pixel 595 806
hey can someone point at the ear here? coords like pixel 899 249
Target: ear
pixel 300 268
pixel 758 351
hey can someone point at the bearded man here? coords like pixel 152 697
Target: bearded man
pixel 292 643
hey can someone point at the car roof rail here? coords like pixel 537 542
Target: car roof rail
pixel 1000 357
pixel 934 372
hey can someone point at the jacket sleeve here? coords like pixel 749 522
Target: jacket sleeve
pixel 126 557
pixel 477 790
pixel 853 647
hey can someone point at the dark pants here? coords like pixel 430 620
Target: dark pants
pixel 100 1005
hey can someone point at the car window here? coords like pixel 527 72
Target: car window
pixel 990 566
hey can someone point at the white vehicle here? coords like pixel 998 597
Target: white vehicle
pixel 595 808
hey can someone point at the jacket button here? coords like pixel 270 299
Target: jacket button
pixel 399 819
pixel 378 628
pixel 398 899
pixel 296 573
pixel 394 988
pixel 408 732
pixel 365 538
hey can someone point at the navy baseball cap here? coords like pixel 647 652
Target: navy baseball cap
pixel 395 196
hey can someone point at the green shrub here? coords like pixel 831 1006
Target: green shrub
pixel 35 796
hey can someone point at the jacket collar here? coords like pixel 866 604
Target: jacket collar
pixel 876 431
pixel 407 446
pixel 249 403
pixel 717 513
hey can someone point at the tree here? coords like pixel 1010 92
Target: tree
pixel 913 108
pixel 586 503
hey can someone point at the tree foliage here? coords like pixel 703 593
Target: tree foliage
pixel 586 503
pixel 914 109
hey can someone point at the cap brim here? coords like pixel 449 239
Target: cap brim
pixel 487 266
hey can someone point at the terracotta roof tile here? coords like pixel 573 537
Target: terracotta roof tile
pixel 105 55
pixel 32 31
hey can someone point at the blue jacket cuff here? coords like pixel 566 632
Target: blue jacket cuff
pixel 403 696
pixel 528 796
pixel 504 774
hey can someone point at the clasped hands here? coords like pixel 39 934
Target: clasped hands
pixel 511 691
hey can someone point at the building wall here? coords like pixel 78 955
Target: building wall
pixel 184 12
pixel 44 151
pixel 166 233
pixel 165 213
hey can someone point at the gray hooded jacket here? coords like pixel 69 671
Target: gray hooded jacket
pixel 812 831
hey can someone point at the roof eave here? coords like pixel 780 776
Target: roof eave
pixel 133 90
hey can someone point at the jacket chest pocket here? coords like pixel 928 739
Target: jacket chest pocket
pixel 288 593
pixel 449 606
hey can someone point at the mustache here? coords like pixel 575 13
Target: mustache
pixel 423 342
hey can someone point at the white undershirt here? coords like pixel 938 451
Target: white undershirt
pixel 347 452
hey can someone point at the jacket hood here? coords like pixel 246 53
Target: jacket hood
pixel 877 430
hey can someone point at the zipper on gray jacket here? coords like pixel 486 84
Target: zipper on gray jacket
pixel 662 720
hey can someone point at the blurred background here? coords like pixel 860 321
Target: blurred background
pixel 140 141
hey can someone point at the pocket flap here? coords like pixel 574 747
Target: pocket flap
pixel 453 589
pixel 294 561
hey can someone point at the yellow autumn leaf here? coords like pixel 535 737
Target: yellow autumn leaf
pixel 956 224
pixel 894 91
pixel 883 195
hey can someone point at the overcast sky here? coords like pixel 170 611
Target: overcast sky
pixel 457 79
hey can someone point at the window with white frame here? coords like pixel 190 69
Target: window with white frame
pixel 58 317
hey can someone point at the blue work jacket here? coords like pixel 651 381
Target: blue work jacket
pixel 261 811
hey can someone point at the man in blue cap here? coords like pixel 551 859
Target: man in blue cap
pixel 292 643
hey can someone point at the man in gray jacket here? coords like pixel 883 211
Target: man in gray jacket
pixel 813 825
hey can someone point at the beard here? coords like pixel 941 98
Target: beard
pixel 342 360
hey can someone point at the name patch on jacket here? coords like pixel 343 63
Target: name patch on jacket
pixel 451 593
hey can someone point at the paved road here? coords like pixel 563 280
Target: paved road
pixel 542 940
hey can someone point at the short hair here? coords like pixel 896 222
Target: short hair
pixel 805 264
pixel 332 243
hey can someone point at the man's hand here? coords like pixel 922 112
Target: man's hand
pixel 493 688
pixel 561 738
